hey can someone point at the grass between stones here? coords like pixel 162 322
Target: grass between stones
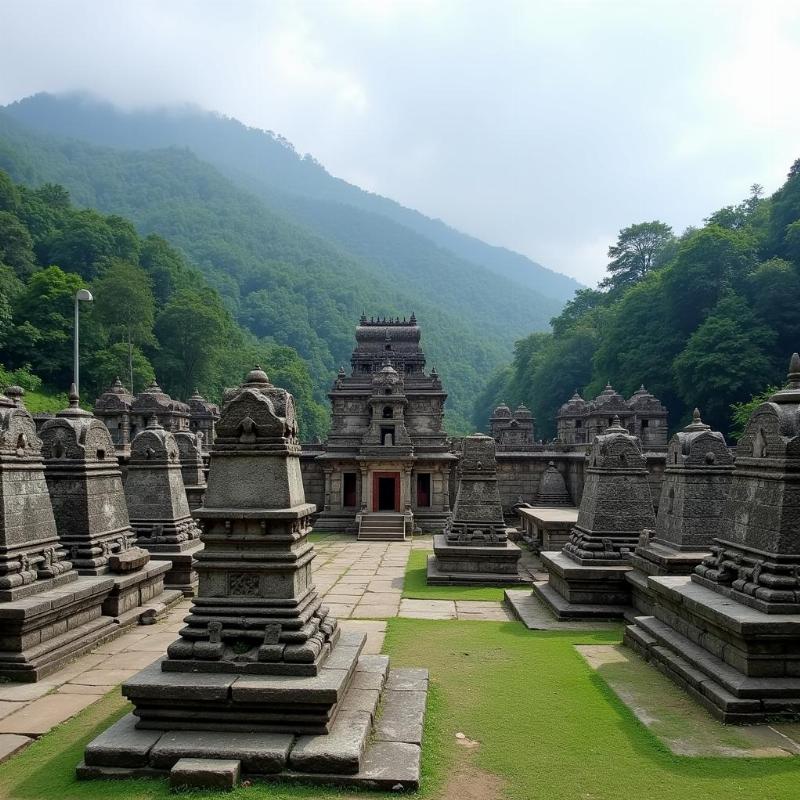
pixel 416 587
pixel 538 722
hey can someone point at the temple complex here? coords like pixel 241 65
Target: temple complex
pixel 126 415
pixel 512 431
pixel 642 415
pixel 387 461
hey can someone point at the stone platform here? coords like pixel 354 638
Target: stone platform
pixel 474 565
pixel 742 664
pixel 41 633
pixel 578 591
pixel 140 595
pixel 373 739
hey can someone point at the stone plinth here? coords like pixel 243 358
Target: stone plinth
pixel 48 614
pixel 85 485
pixel 730 633
pixel 261 674
pixel 158 508
pixel 474 549
pixel 546 528
pixel 696 483
pixel 587 578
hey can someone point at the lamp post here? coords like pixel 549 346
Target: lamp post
pixel 81 296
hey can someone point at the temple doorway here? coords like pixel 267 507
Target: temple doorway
pixel 386 491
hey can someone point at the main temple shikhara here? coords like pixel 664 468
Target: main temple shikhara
pixel 387 461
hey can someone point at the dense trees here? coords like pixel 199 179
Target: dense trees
pixel 153 313
pixel 706 319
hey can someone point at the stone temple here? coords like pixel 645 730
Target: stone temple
pixel 642 415
pixel 261 676
pixel 474 547
pixel 387 461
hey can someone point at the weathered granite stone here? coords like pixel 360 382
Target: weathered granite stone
pixel 192 468
pixel 203 417
pixel 512 432
pixel 475 547
pixel 616 506
pixel 113 409
pixel 339 752
pixel 205 773
pixel 730 633
pixel 401 717
pixel 85 485
pixel 122 745
pixel 47 613
pixel 158 508
pixel 696 484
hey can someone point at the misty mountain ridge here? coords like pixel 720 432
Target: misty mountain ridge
pixel 268 165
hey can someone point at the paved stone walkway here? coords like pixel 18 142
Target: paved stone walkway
pixel 361 583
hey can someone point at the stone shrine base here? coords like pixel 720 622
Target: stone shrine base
pixel 374 737
pixel 656 559
pixel 140 595
pixel 471 565
pixel 182 575
pixel 581 591
pixel 747 668
pixel 42 632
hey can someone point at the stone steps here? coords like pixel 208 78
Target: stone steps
pixel 382 527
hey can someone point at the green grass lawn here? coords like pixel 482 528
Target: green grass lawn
pixel 546 726
pixel 416 587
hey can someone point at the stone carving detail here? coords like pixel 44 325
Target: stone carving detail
pixel 244 584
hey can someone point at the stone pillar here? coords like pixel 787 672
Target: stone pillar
pixel 328 472
pixel 260 655
pixel 366 489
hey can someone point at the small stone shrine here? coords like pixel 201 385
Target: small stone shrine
pixel 261 675
pixel 49 614
pixel 553 491
pixel 730 633
pixel 158 508
pixel 696 484
pixel 512 431
pixel 85 485
pixel 587 577
pixel 474 548
pixel 192 471
pixel 203 418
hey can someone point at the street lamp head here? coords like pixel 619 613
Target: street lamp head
pixel 84 295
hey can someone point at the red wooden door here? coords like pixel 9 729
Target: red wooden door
pixel 376 483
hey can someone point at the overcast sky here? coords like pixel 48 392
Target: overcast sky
pixel 544 127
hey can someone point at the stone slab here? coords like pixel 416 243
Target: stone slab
pixel 11 744
pixel 205 773
pixel 338 752
pixel 402 715
pixel 152 683
pixel 527 608
pixel 391 765
pixel 38 717
pixel 408 679
pixel 121 745
pixel 564 610
pixel 265 753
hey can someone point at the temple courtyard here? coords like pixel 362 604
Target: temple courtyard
pixel 557 711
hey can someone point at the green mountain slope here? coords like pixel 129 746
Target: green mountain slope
pixel 268 164
pixel 279 280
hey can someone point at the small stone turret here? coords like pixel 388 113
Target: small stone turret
pixel 553 489
pixel 158 508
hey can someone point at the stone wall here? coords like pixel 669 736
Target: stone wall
pixel 518 475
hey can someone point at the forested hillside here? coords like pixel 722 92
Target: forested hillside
pixel 278 279
pixel 706 319
pixel 267 164
pixel 152 312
